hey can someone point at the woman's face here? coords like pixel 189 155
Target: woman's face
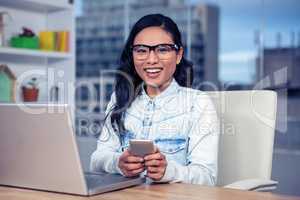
pixel 156 69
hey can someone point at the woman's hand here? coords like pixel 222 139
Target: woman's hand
pixel 156 165
pixel 131 165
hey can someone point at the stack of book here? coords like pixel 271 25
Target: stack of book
pixel 54 41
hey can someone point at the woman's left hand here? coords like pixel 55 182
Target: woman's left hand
pixel 156 165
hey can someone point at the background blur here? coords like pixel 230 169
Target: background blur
pixel 234 45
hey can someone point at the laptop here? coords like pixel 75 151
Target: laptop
pixel 38 150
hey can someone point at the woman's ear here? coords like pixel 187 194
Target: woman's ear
pixel 179 55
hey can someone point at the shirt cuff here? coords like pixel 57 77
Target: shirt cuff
pixel 115 163
pixel 169 176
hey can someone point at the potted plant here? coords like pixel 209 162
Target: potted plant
pixel 30 90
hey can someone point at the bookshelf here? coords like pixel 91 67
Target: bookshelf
pixel 50 67
pixel 17 52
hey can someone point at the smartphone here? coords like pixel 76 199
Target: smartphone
pixel 141 147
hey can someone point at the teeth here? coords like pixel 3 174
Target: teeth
pixel 153 70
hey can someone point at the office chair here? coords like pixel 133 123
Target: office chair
pixel 247 120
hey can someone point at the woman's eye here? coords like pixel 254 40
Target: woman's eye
pixel 163 49
pixel 141 50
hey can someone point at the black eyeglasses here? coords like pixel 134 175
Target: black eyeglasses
pixel 163 51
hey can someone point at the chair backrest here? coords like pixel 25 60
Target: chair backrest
pixel 247 134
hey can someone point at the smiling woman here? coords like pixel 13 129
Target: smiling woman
pixel 152 101
pixel 155 67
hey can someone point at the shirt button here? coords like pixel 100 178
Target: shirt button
pixel 147 123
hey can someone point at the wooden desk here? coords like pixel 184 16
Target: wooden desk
pixel 146 192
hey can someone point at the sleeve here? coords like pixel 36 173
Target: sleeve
pixel 202 153
pixel 106 156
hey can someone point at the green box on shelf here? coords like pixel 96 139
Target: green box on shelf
pixel 25 42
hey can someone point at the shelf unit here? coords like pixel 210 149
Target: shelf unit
pixel 51 68
pixel 33 53
pixel 38 5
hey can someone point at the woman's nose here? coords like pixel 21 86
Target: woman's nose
pixel 152 58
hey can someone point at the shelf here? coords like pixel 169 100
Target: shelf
pixel 37 5
pixel 40 15
pixel 34 104
pixel 33 53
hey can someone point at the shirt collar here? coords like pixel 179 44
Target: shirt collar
pixel 169 91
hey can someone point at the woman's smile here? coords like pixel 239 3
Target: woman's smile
pixel 153 72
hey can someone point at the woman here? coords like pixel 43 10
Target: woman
pixel 152 101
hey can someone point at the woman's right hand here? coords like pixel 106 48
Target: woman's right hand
pixel 131 165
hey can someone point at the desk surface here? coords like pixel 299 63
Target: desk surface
pixel 147 192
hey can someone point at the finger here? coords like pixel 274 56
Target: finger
pixel 136 171
pixel 133 166
pixel 156 149
pixel 127 174
pixel 129 166
pixel 155 156
pixel 124 155
pixel 134 159
pixel 154 169
pixel 153 163
pixel 155 176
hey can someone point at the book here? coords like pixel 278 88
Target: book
pixel 47 39
pixel 54 40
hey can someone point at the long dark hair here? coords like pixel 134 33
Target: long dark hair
pixel 128 82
